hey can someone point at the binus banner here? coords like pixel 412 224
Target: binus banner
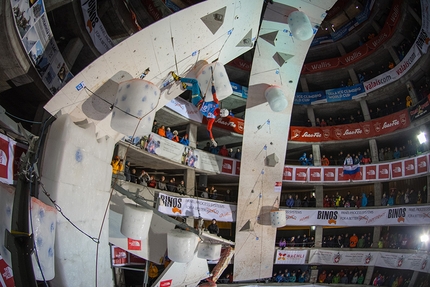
pixel 398 215
pixel 376 127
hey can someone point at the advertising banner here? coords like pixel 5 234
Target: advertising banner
pixel 6 159
pixel 169 149
pixel 394 74
pixel 229 123
pixel 6 278
pixel 185 206
pixel 344 93
pixel 291 256
pixel 307 98
pixel 185 109
pixel 376 127
pixel 399 215
pixel 419 110
pixel 95 28
pixel 348 258
pixel 422 163
pixel 355 55
pixel 38 41
pixel 417 262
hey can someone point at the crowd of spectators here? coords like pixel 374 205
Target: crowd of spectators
pixel 344 276
pixel 347 241
pixel 355 201
pixel 389 279
pixel 398 240
pixel 300 202
pixel 402 197
pixel 296 275
pixel 296 241
pixel 223 151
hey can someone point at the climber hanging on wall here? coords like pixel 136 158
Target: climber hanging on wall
pixel 209 109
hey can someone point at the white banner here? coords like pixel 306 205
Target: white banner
pixel 291 256
pixel 95 28
pixel 349 258
pixel 394 74
pixel 38 41
pixel 208 210
pixel 398 215
pixel 168 149
pixel 406 261
pixel 185 109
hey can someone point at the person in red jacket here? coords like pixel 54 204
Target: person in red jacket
pixel 223 151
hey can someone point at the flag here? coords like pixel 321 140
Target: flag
pixel 351 172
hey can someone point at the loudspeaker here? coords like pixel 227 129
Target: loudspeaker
pixel 203 180
pixel 271 160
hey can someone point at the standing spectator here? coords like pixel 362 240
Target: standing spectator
pixel 353 241
pixel 213 227
pixel 162 183
pixel 162 131
pixel 238 154
pixel 282 243
pixel 363 200
pixel 290 201
pixel 181 188
pixel 325 161
pixel 205 193
pixel 310 160
pixel 303 159
pixel 169 134
pixel 143 178
pixel 133 176
pixel 346 241
pixel 175 137
pixel 223 151
pixel 312 201
pixel 361 242
pixel 184 140
pixel 227 195
pixel 370 199
pixel 297 201
pixel 127 171
pixel 155 127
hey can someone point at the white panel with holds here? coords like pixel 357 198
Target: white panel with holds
pixel 300 26
pixel 44 221
pixel 278 218
pixel 276 98
pixel 181 245
pixel 221 81
pixel 136 221
pixel 209 251
pixel 134 99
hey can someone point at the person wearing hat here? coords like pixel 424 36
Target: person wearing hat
pixel 175 137
pixel 213 227
pixel 169 134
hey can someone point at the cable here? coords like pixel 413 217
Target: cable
pixel 96 240
pixel 21 119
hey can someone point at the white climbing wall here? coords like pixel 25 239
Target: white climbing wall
pixel 278 60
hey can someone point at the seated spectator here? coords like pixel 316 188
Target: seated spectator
pixel 171 186
pixel 322 277
pixel 152 182
pixel 184 140
pixel 181 188
pixel 175 137
pixel 303 159
pixel 169 134
pixel 205 193
pixel 282 243
pixel 162 184
pixel 223 151
pixel 143 178
pixel 162 131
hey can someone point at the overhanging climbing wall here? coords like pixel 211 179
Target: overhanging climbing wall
pixel 278 60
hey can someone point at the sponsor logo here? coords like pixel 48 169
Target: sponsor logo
pixel 281 256
pixel 410 167
pixel 371 172
pixel 224 123
pixel 378 82
pixel 400 261
pixel 330 215
pixel 287 173
pixel 329 174
pixel 384 171
pixel 173 202
pixel 397 169
pixel 316 174
pixel 338 132
pixel 368 259
pixel 352 132
pixel 402 119
pixel 406 64
pixel 226 166
pixel 337 258
pixel 311 135
pixel 293 217
pixel 353 57
pixel 395 14
pixel 326 133
pixel 301 174
pixel 399 213
pixel 365 217
pixel 3 158
pixel 393 123
pixel 422 164
pixel 377 127
pixel 320 65
pixel 93 18
pixel 366 129
pixel 381 38
pixel 296 133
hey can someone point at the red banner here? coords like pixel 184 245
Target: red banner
pixel 301 174
pixel 6 274
pixel 422 163
pixel 377 127
pixel 329 174
pixel 319 66
pixel 241 64
pixel 383 171
pixel 396 170
pixel 362 51
pixel 369 172
pixel 288 173
pixel 228 123
pixel 315 174
pixel 227 166
pixel 354 56
pixel 238 167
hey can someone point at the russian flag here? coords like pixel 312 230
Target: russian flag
pixel 351 172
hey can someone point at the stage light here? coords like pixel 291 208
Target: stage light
pixel 422 138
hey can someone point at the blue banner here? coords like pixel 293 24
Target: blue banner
pixel 239 90
pixel 307 98
pixel 344 93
